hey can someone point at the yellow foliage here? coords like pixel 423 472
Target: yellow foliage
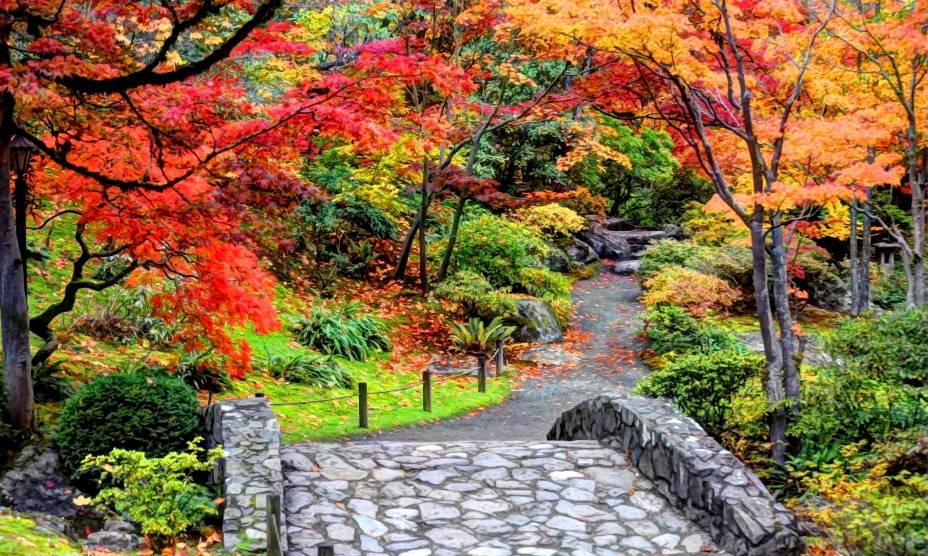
pixel 694 291
pixel 551 221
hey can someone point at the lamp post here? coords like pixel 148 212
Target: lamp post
pixel 21 150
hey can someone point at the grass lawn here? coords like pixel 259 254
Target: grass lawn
pixel 85 357
pixel 339 418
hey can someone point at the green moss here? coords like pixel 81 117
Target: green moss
pixel 22 536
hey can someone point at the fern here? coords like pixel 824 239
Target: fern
pixel 342 331
pixel 312 369
pixel 478 338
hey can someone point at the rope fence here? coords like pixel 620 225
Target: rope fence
pixel 425 383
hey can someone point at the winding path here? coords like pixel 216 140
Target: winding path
pixel 488 484
pixel 606 323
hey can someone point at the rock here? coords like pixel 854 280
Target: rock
pixel 565 524
pixel 625 268
pixel 36 484
pixel 557 260
pixel 536 322
pixel 618 224
pixel 451 537
pixel 606 243
pixel 113 541
pixel 580 252
pixel 118 526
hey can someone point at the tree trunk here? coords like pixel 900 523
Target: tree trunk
pixel 400 270
pixel 863 293
pixel 773 382
pixel 14 312
pixel 20 198
pixel 452 238
pixel 423 241
pixel 853 260
pixel 788 354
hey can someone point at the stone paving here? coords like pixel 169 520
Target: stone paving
pixel 482 498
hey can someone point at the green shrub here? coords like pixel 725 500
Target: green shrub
pixel 366 217
pixel 890 347
pixel 670 329
pixel 663 254
pixel 342 331
pixel 154 414
pixel 544 283
pixel 303 368
pixel 159 495
pixel 496 248
pixel 728 262
pixel 703 385
pixel 889 288
pixel 476 295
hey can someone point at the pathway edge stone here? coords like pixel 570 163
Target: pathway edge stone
pixel 691 469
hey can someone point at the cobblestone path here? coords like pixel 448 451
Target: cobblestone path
pixel 487 498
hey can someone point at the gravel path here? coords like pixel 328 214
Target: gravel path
pixel 606 322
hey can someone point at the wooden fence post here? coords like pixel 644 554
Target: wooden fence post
pixel 482 373
pixel 426 391
pixel 273 525
pixel 362 405
pixel 500 357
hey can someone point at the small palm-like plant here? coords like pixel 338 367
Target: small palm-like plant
pixel 476 338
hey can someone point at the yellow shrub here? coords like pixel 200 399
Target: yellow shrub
pixel 694 291
pixel 551 221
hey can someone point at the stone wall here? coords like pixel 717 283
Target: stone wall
pixel 691 469
pixel 250 471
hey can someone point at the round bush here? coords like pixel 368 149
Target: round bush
pixel 153 414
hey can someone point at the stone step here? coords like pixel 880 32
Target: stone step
pixel 479 498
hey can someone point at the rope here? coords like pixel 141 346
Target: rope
pixel 389 391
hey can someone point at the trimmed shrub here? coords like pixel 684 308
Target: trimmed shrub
pixel 154 414
pixel 702 385
pixel 342 331
pixel 694 291
pixel 476 295
pixel 670 329
pixel 303 368
pixel 553 222
pixel 664 254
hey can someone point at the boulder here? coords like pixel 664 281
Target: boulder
pixel 113 541
pixel 625 268
pixel 580 252
pixel 606 243
pixel 618 224
pixel 536 322
pixel 557 260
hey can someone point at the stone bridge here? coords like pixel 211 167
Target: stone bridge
pixel 619 475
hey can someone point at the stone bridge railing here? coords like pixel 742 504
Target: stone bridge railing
pixel 250 473
pixel 691 469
